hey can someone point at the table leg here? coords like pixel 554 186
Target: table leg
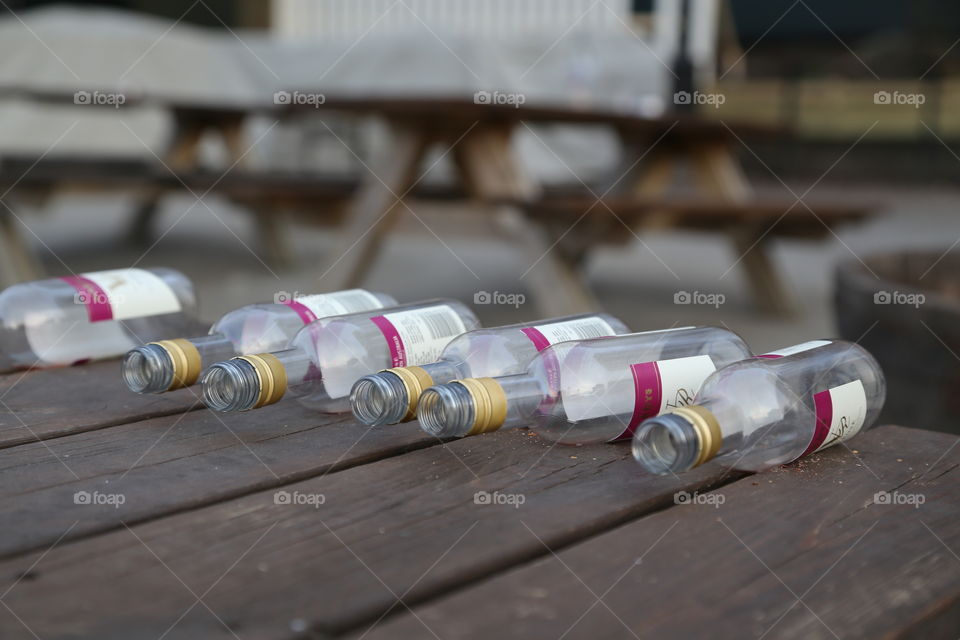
pixel 721 175
pixel 17 263
pixel 375 207
pixel 181 154
pixel 488 168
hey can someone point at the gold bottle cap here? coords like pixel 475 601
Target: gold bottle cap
pixel 186 362
pixel 272 376
pixel 707 428
pixel 415 380
pixel 489 404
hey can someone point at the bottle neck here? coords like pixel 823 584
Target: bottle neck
pixel 254 381
pixel 392 396
pixel 479 405
pixel 678 440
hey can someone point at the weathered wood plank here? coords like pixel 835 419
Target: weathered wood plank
pixel 173 463
pixel 801 552
pixel 405 526
pixel 48 403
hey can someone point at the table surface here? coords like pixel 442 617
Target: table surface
pixel 129 516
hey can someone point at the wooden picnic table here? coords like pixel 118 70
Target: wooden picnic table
pixel 477 137
pixel 127 516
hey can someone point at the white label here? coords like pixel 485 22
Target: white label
pixel 643 391
pixel 840 413
pixel 797 348
pixel 680 380
pixel 323 305
pixel 130 293
pixel 419 336
pixel 544 335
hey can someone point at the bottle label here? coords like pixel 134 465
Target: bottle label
pixel 121 294
pixel 797 348
pixel 419 336
pixel 665 384
pixel 840 413
pixel 544 335
pixel 323 305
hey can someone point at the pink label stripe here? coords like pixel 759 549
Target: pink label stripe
pixel 302 310
pixel 538 339
pixel 648 394
pixel 93 297
pixel 770 355
pixel 398 353
pixel 823 408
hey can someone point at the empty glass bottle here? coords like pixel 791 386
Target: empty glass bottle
pixel 163 366
pixel 769 410
pixel 391 396
pixel 327 356
pixel 91 316
pixel 585 391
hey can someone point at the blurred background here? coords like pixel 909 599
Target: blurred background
pixel 786 169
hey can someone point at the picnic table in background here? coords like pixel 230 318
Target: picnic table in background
pixel 134 516
pixel 555 231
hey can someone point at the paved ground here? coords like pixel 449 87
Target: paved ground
pixel 637 282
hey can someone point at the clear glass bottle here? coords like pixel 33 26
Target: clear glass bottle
pixel 327 356
pixel 585 391
pixel 163 366
pixel 391 396
pixel 91 316
pixel 768 410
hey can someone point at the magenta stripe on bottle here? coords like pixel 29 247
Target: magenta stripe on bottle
pixel 398 353
pixel 770 355
pixel 92 297
pixel 648 393
pixel 823 408
pixel 538 339
pixel 302 310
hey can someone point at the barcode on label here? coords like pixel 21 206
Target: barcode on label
pixel 418 336
pixel 544 335
pixel 354 300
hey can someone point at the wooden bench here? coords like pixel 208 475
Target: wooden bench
pixel 129 516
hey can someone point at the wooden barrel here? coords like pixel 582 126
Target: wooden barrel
pixel 905 309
